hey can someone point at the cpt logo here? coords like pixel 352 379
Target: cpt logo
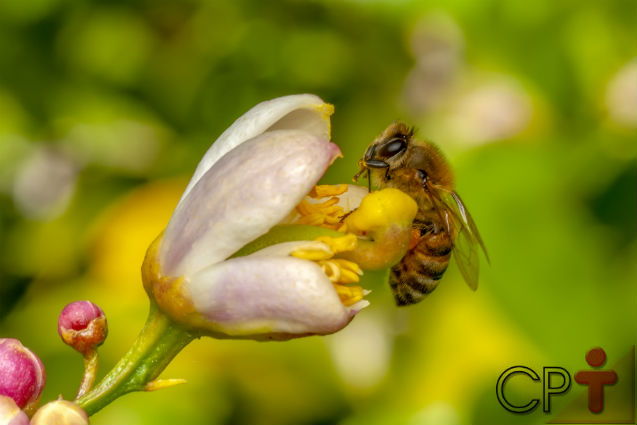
pixel 608 394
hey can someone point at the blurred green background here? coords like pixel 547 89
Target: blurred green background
pixel 106 107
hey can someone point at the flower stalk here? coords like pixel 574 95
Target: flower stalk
pixel 91 363
pixel 158 343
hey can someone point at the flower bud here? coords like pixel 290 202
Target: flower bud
pixel 10 413
pixel 82 325
pixel 22 375
pixel 60 412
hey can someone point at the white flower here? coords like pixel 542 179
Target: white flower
pixel 250 181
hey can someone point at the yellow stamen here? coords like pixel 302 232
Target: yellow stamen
pixel 332 220
pixel 314 219
pixel 325 190
pixel 304 208
pixel 348 265
pixel 331 270
pixel 326 214
pixel 338 270
pixel 348 242
pixel 332 201
pixel 347 276
pixel 341 271
pixel 328 247
pixel 315 252
pixel 349 294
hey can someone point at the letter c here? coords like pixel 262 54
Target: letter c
pixel 499 389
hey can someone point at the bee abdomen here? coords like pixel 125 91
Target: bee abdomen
pixel 419 271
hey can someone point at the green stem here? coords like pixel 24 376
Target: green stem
pixel 157 344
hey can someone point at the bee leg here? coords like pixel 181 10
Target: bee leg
pixel 343 217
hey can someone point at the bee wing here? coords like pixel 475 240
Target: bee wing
pixel 468 222
pixel 466 255
pixel 467 239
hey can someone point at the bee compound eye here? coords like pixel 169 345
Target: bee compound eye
pixel 393 147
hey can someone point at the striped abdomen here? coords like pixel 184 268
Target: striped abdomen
pixel 421 268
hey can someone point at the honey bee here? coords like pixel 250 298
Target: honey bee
pixel 442 224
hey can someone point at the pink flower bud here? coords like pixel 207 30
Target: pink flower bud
pixel 60 412
pixel 10 413
pixel 82 325
pixel 22 375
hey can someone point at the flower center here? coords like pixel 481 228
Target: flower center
pixel 339 271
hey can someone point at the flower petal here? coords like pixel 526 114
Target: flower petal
pixel 296 112
pixel 351 199
pixel 241 197
pixel 265 297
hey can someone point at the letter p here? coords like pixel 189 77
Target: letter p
pixel 550 389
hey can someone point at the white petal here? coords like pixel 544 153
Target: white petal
pixel 272 297
pixel 351 199
pixel 296 112
pixel 241 197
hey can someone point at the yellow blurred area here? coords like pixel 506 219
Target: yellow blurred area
pixel 468 342
pixel 125 231
pixel 119 239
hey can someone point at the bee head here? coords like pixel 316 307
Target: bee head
pixel 379 156
pixel 387 151
pixel 388 148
